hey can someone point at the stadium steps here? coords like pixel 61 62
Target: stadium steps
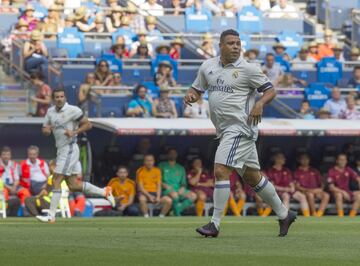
pixel 13 101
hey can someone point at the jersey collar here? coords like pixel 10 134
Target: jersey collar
pixel 235 64
pixel 63 108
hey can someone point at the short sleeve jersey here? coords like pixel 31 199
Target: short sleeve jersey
pixel 67 118
pixel 281 178
pixel 149 179
pixel 232 90
pixel 309 179
pixel 173 176
pixel 341 179
pixel 124 189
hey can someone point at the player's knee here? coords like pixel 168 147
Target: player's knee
pixel 174 195
pixel 142 199
pixel 222 172
pixel 338 196
pixel 325 196
pixel 310 195
pixel 302 197
pixel 202 196
pixel 167 200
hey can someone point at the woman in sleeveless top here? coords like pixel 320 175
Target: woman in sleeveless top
pixel 164 107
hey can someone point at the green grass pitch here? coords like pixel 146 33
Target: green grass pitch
pixel 173 241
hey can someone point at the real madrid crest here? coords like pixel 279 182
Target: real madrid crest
pixel 235 75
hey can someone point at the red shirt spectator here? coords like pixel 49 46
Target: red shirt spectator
pixel 309 178
pixel 204 180
pixel 43 94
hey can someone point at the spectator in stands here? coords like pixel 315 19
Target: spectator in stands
pixel 279 50
pixel 50 30
pixel 69 21
pixel 326 48
pixel 355 54
pixel 164 107
pixel 262 5
pixel 113 20
pixel 354 81
pixel 306 112
pixel 99 24
pixel 126 31
pixel 200 182
pixel 164 75
pixel 113 3
pixel 82 19
pixel 176 6
pixel 207 49
pixel 338 52
pixel 309 181
pixel 141 105
pixel 141 36
pixel 236 193
pixel 20 33
pixel 154 35
pixel 200 109
pixel 176 46
pixel 124 191
pixel 251 55
pixel 284 183
pixel 6 7
pixel 303 60
pixel 214 6
pixel 351 112
pixel 35 54
pixel 324 114
pixel 336 104
pixel 148 179
pixel 116 79
pixel 229 9
pixel 314 51
pixel 28 16
pixel 43 94
pixel 142 52
pixel 272 70
pixel 151 7
pixel 174 183
pixel 137 22
pixel 103 74
pixel 54 16
pixel 289 81
pixel 119 48
pixel 339 178
pixel 84 96
pixel 283 10
pixel 163 48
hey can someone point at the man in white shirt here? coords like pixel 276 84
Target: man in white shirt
pixel 336 105
pixel 151 7
pixel 283 10
pixel 303 60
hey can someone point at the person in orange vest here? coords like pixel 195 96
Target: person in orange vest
pixel 34 172
pixel 326 48
pixel 9 172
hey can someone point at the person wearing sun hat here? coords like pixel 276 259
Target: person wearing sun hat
pixel 354 54
pixel 69 21
pixel 176 45
pixel 35 54
pixel 164 75
pixel 81 19
pixel 141 36
pixel 113 19
pixel 163 48
pixel 142 53
pixel 164 107
pixel 338 52
pixel 137 21
pixel 154 35
pixel 279 49
pixel 314 51
pixel 28 16
pixel 99 23
pixel 207 49
pixel 251 54
pixel 54 16
pixel 302 58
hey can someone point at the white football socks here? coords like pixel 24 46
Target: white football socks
pixel 221 196
pixel 89 188
pixel 55 199
pixel 267 192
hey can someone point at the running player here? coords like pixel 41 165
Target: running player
pixel 66 121
pixel 232 84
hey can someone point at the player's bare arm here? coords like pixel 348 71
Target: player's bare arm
pixel 84 125
pixel 257 111
pixel 192 96
pixel 46 130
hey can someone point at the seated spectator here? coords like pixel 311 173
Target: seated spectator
pixel 43 94
pixel 82 19
pixel 283 10
pixel 148 179
pixel 99 24
pixel 338 52
pixel 124 191
pixel 141 39
pixel 289 81
pixel 20 33
pixel 35 54
pixel 324 114
pixel 351 112
pixel 177 6
pixel 50 30
pixel 119 49
pixel 200 182
pixel 54 16
pixel 284 184
pixel 28 16
pixel 326 48
pixel 306 112
pixel 142 52
pixel 262 5
pixel 214 6
pixel 175 51
pixel 116 79
pixel 339 178
pixel 336 104
pixel 103 74
pixel 355 54
pixel 113 3
pixel 6 7
pixel 69 21
pixel 164 107
pixel 163 48
pixel 137 22
pixel 272 70
pixel 207 49
pixel 141 105
pixel 84 96
pixel 237 195
pixel 303 60
pixel 113 20
pixel 9 172
pixel 229 9
pixel 251 55
pixel 164 75
pixel 200 109
pixel 151 7
pixel 314 51
pixel 354 81
pixel 154 35
pixel 174 183
pixel 309 181
pixel 279 50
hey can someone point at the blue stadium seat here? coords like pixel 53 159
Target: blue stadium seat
pixel 40 11
pixel 292 41
pixel 285 65
pixel 72 40
pixel 153 90
pixel 245 41
pixel 329 70
pixel 128 34
pixel 317 94
pixel 114 63
pixel 113 105
pixel 179 104
pixel 197 22
pixel 249 20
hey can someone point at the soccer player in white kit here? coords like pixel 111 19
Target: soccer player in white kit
pixel 67 121
pixel 232 84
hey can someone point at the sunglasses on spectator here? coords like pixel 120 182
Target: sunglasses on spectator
pixel 104 65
